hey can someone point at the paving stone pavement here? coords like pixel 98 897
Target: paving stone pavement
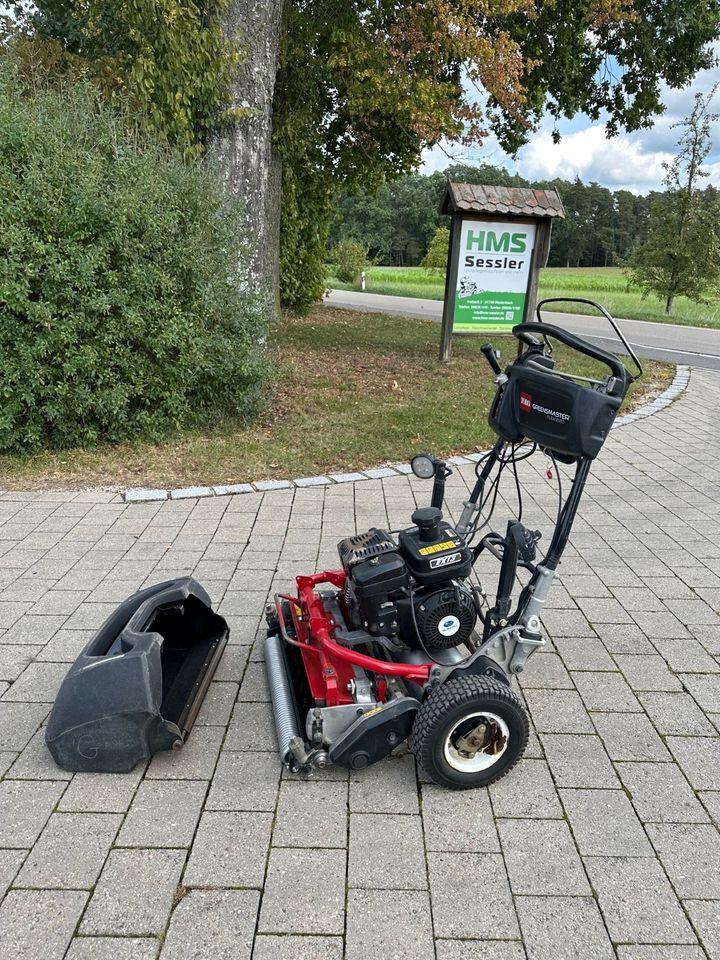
pixel 602 843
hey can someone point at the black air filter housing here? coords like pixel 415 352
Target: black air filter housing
pixel 444 557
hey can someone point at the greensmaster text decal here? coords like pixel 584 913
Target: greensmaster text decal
pixel 492 278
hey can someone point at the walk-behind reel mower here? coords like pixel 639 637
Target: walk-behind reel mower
pixel 399 643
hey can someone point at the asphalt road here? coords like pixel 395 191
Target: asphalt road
pixel 698 346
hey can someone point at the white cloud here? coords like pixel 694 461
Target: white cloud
pixel 619 162
pixel 632 161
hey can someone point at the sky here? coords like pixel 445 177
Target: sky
pixel 629 161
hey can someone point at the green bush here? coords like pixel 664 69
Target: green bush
pixel 350 258
pixel 436 257
pixel 124 310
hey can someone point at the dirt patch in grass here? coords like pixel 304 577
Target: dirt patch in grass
pixel 353 390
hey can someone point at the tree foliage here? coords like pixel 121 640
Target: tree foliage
pixel 350 259
pixel 437 255
pixel 398 221
pixel 169 58
pixel 682 252
pixel 365 86
pixel 122 311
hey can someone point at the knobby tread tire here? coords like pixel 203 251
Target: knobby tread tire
pixel 446 698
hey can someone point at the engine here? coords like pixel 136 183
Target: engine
pixel 410 593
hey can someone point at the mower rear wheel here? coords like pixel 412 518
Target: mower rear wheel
pixel 469 732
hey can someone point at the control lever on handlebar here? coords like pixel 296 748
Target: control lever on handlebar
pixel 489 352
pixel 528 339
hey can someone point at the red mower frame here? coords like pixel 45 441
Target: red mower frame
pixel 326 662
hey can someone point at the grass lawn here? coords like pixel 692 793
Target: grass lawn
pixel 353 390
pixel 608 285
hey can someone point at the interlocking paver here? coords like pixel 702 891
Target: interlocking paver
pixel 304 892
pixel 70 851
pixel 451 875
pixel 660 952
pixel 606 691
pixel 163 814
pixel 311 814
pixel 25 807
pixel 212 923
pixel 578 760
pixel 36 763
pixel 529 792
pixel 637 901
pixel 386 787
pixel 245 781
pixel 401 866
pixel 10 863
pixel 630 736
pixel 134 894
pixel 604 823
pixel 660 793
pixel 38 924
pixel 633 626
pixel 563 928
pixel 18 722
pixel 230 850
pixel 480 950
pixel 676 713
pixel 690 852
pixel 113 948
pixel 541 858
pixel 372 914
pixel 101 792
pixel 196 760
pixel 458 821
pixel 558 711
pixel 705 916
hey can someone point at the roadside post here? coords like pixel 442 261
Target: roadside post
pixel 499 240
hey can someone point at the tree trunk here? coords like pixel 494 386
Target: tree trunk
pixel 249 166
pixel 669 303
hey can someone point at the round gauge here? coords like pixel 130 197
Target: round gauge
pixel 423 466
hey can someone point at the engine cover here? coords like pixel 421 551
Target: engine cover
pixel 436 557
pixel 446 617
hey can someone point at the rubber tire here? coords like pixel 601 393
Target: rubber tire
pixel 445 706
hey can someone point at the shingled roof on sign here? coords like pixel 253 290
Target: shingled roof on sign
pixel 510 201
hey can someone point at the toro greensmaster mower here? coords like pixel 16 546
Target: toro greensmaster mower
pixel 399 643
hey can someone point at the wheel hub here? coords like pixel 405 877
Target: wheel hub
pixel 476 742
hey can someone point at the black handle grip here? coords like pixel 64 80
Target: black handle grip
pixel 487 349
pixel 528 338
pixel 575 343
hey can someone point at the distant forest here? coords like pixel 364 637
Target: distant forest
pixel 398 222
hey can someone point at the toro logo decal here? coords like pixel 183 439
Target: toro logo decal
pixel 525 402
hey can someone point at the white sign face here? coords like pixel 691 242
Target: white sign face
pixel 493 268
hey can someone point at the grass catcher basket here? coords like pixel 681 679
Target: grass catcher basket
pixel 138 685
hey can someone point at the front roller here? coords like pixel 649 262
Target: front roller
pixel 469 732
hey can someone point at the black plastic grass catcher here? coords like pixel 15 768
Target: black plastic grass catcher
pixel 138 685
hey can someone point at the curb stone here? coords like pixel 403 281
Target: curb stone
pixel 141 495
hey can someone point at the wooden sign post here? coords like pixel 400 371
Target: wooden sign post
pixel 499 240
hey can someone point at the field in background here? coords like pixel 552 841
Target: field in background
pixel 608 285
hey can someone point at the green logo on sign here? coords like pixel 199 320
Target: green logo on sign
pixel 489 241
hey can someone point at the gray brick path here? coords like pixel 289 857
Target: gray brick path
pixel 603 843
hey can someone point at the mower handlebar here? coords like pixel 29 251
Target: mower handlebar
pixel 575 343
